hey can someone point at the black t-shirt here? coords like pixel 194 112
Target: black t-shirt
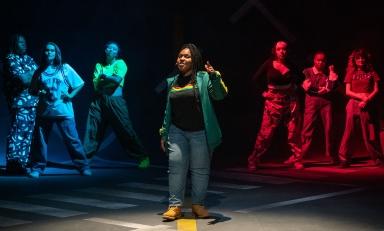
pixel 186 106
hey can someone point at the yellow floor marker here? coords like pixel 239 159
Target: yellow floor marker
pixel 186 225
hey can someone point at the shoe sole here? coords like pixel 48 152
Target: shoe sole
pixel 171 218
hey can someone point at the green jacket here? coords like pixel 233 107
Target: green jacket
pixel 210 86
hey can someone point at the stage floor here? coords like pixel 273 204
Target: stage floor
pixel 121 197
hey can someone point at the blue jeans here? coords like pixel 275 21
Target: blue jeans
pixel 187 151
pixel 67 127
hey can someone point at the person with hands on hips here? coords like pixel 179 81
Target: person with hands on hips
pixel 56 84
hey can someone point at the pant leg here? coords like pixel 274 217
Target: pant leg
pixel 19 138
pixel 271 120
pixel 344 149
pixel 311 112
pixel 293 123
pixel 118 117
pixel 327 119
pixel 67 128
pixel 200 160
pixel 95 128
pixel 370 135
pixel 39 150
pixel 179 155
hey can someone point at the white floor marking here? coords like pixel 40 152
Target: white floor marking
pixel 8 222
pixel 123 194
pixel 233 186
pixel 84 201
pixel 300 200
pixel 145 186
pixel 135 226
pixel 253 178
pixel 156 187
pixel 32 208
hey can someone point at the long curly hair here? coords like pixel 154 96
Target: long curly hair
pixel 357 53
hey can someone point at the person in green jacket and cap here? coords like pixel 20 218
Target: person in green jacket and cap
pixel 190 130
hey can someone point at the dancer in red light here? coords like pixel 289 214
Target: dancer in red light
pixel 362 85
pixel 280 106
pixel 318 86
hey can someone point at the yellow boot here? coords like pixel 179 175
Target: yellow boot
pixel 200 211
pixel 173 213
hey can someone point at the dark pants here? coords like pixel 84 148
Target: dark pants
pixel 316 107
pixel 369 127
pixel 278 108
pixel 19 137
pixel 113 111
pixel 67 128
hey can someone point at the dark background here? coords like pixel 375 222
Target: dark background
pixel 235 42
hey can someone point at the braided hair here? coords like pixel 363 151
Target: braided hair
pixel 197 65
pixel 197 59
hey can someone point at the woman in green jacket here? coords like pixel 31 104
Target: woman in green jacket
pixel 190 130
